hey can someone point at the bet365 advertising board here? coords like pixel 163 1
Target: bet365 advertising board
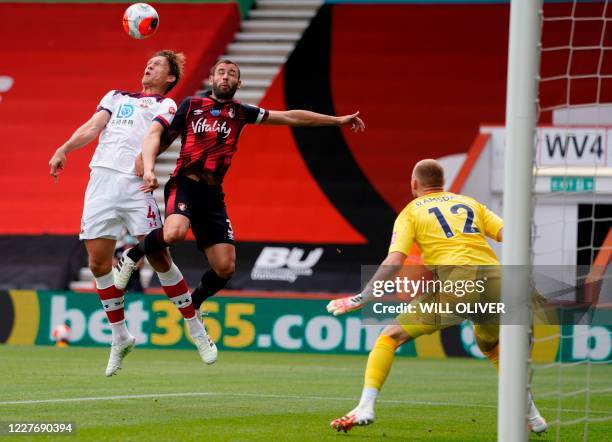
pixel 260 324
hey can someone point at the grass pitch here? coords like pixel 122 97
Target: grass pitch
pixel 170 395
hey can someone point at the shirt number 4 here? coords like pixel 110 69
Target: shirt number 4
pixel 469 221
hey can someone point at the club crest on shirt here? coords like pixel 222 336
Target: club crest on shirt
pixel 171 110
pixel 182 207
pixel 231 112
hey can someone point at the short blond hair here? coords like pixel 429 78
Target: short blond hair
pixel 429 173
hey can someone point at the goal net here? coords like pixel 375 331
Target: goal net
pixel 572 219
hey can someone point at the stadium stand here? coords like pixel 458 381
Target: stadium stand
pixel 58 81
pixel 318 193
pixel 309 190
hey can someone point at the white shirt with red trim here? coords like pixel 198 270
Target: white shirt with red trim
pixel 131 116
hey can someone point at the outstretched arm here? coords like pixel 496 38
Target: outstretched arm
pixel 81 137
pixel 386 271
pixel 307 118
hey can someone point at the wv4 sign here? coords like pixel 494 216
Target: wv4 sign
pixel 579 147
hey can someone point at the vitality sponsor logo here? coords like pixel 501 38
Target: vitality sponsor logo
pixel 202 125
pixel 285 264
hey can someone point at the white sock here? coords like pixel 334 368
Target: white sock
pixel 104 281
pixel 171 277
pixel 195 326
pixel 120 332
pixel 532 411
pixel 368 397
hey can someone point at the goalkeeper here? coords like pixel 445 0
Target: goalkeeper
pixel 448 229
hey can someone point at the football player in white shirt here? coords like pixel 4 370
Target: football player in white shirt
pixel 114 198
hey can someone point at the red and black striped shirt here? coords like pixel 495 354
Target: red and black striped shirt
pixel 209 130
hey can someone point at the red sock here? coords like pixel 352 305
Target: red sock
pixel 179 294
pixel 112 301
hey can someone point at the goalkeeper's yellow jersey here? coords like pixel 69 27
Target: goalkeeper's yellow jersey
pixel 449 229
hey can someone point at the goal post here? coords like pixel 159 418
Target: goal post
pixel 521 119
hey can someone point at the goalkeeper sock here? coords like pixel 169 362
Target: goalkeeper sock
pixel 210 284
pixel 377 368
pixel 532 411
pixel 368 397
pixel 493 356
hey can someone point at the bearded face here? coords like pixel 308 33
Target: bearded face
pixel 225 81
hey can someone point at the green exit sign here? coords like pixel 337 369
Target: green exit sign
pixel 572 184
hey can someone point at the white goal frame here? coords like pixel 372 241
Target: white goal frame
pixel 521 116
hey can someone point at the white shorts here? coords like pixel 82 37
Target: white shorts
pixel 113 200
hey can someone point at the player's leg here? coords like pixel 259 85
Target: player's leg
pixel 487 338
pixel 222 260
pixel 176 226
pixel 380 360
pixel 377 370
pixel 215 237
pixel 486 333
pixel 100 227
pixel 174 231
pixel 406 327
pixel 177 290
pixel 100 252
pixel 535 421
pixel 143 218
pixel 217 244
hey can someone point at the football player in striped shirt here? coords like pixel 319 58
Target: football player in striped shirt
pixel 209 127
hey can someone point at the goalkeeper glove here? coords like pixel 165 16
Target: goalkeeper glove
pixel 344 305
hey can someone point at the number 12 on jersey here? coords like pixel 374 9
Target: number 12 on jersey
pixel 468 227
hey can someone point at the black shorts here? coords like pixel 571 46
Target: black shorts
pixel 204 205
